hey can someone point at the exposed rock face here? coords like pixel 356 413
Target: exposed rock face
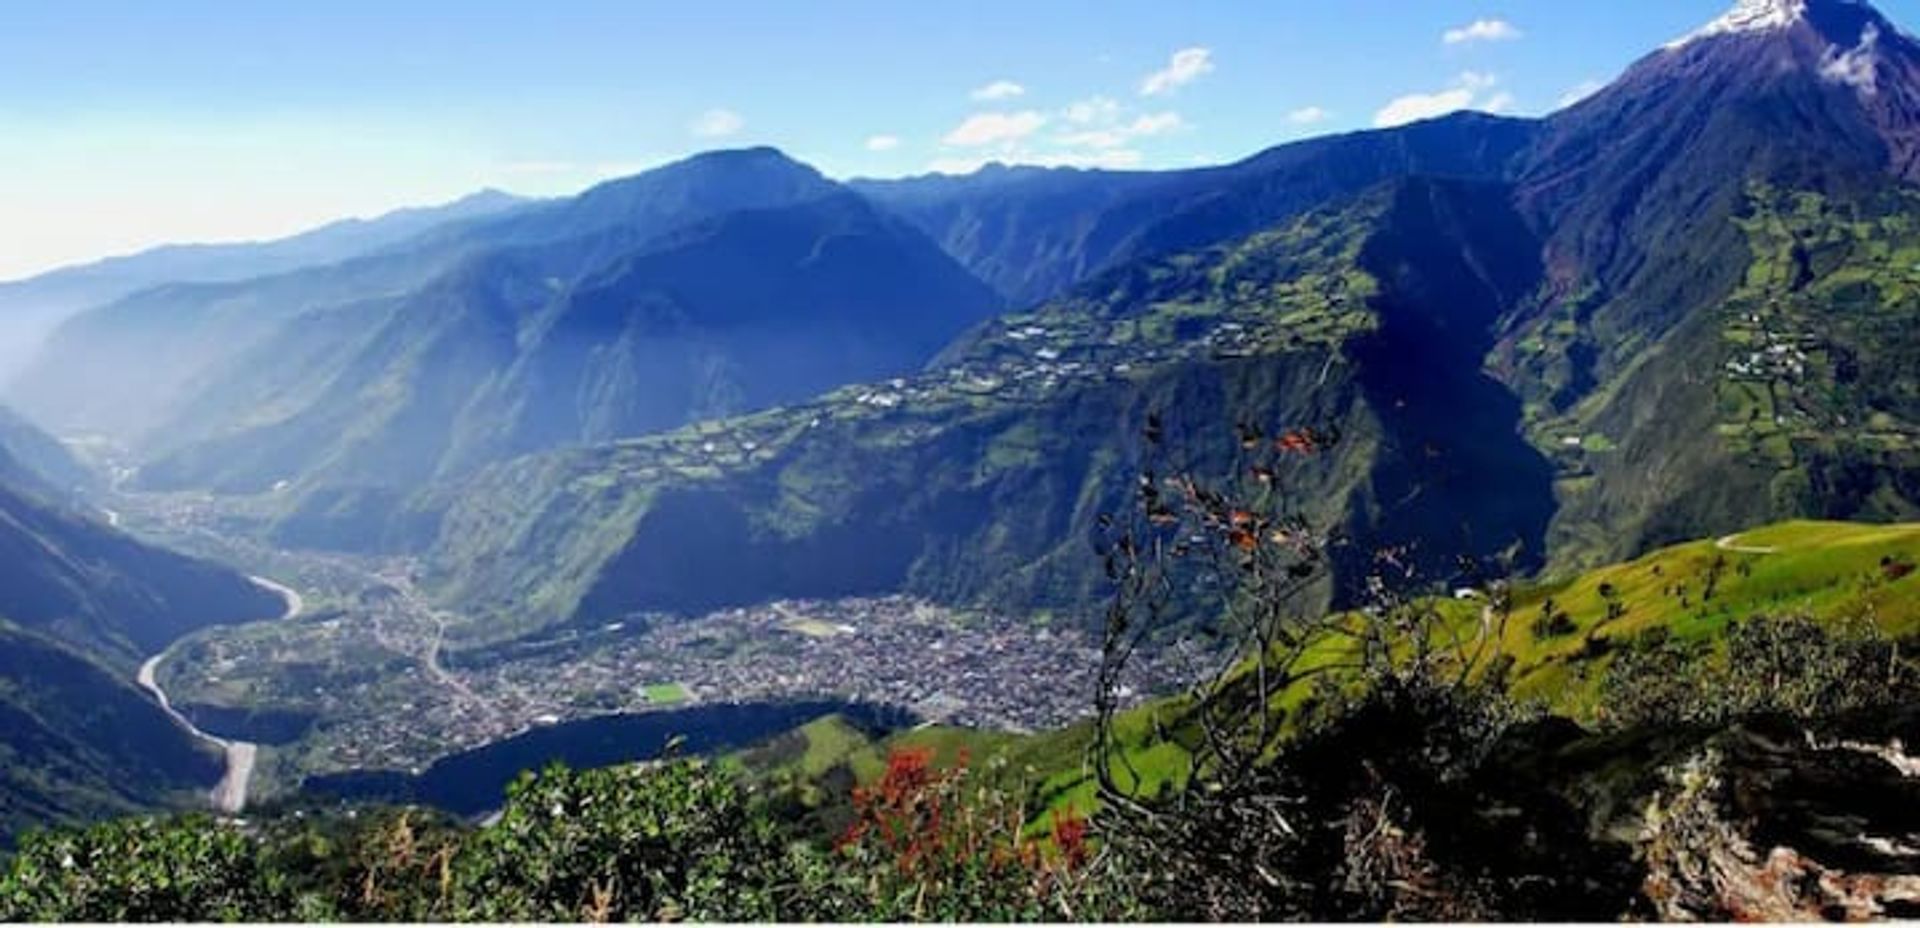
pixel 1772 825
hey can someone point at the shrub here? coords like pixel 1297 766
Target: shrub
pixel 191 868
pixel 666 841
pixel 929 844
pixel 1794 666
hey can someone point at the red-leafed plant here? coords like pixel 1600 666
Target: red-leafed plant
pixel 939 843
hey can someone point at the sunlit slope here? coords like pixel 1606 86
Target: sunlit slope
pixel 1834 572
pixel 1837 573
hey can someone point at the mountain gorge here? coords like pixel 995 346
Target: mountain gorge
pixel 727 283
pixel 80 606
pixel 755 308
pixel 1676 288
pixel 1673 308
pixel 983 479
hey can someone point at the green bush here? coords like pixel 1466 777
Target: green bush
pixel 144 870
pixel 676 840
pixel 679 840
pixel 1792 666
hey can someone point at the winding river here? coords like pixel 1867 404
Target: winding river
pixel 230 796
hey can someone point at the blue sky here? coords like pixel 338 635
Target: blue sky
pixel 125 123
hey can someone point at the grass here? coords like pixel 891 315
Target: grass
pixel 1832 572
pixel 1824 570
pixel 666 694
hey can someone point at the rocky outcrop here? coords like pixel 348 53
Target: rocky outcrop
pixel 1769 823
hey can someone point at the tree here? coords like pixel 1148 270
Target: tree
pixel 1316 743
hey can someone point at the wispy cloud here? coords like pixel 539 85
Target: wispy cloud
pixel 1482 30
pixel 1118 134
pixel 1093 110
pixel 1308 115
pixel 982 129
pixel 1580 91
pixel 1472 90
pixel 718 123
pixel 1110 159
pixel 883 142
pixel 998 90
pixel 1186 66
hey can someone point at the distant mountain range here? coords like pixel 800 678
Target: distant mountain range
pixel 31 308
pixel 727 283
pixel 1682 306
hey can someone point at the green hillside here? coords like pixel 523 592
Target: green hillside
pixel 982 479
pixel 82 743
pixel 1838 574
pixel 1793 396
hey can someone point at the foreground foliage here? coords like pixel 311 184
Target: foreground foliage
pixel 671 841
pixel 1365 765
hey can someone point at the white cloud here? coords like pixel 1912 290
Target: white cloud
pixel 983 129
pixel 1465 94
pixel 1580 91
pixel 1857 68
pixel 883 143
pixel 1417 106
pixel 1477 80
pixel 1117 134
pixel 1156 124
pixel 714 124
pixel 1482 30
pixel 1096 132
pixel 1308 115
pixel 1110 159
pixel 1186 66
pixel 999 90
pixel 1093 110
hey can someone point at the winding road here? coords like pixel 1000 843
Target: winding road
pixel 1732 543
pixel 230 796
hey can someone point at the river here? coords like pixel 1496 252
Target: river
pixel 229 797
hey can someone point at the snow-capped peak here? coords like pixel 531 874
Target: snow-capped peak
pixel 1754 16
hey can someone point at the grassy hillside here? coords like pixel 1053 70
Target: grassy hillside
pixel 1838 574
pixel 1791 395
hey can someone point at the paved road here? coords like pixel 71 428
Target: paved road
pixel 230 796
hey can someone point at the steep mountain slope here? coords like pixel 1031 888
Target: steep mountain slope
pixel 1023 230
pixel 133 368
pixel 30 456
pixel 1033 233
pixel 80 606
pixel 1684 207
pixel 1694 289
pixel 73 579
pixel 742 312
pixel 983 479
pixel 79 742
pixel 31 308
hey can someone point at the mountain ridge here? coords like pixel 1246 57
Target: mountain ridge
pixel 1631 232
